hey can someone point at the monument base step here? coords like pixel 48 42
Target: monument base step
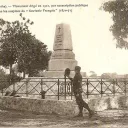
pixel 59 74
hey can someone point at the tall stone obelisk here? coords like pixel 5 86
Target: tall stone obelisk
pixel 62 56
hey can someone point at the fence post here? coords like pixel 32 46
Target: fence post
pixel 41 85
pixel 2 91
pixel 71 89
pixel 42 93
pixel 58 83
pixel 87 88
pixel 65 87
pixel 13 86
pixel 101 88
pixel 26 87
pixel 125 88
pixel 114 82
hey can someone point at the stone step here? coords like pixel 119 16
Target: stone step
pixel 113 113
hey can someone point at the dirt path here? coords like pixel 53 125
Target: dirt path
pixel 13 118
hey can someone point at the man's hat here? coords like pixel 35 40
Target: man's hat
pixel 67 71
pixel 78 68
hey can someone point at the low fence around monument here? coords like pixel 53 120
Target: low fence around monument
pixel 60 88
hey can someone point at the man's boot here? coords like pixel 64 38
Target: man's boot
pixel 80 112
pixel 79 115
pixel 91 113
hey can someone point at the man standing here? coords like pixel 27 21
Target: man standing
pixel 77 90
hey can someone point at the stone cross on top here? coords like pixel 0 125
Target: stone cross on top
pixel 59 29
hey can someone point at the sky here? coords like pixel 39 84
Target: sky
pixel 93 44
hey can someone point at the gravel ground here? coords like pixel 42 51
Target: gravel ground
pixel 12 118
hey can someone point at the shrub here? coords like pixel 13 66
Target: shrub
pixel 7 80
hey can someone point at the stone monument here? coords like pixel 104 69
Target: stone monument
pixel 62 56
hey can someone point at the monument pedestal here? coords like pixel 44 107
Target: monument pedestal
pixel 61 64
pixel 62 56
pixel 60 74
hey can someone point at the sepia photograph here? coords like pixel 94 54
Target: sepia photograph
pixel 63 64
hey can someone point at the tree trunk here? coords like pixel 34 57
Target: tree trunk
pixel 24 74
pixel 10 80
pixel 10 69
